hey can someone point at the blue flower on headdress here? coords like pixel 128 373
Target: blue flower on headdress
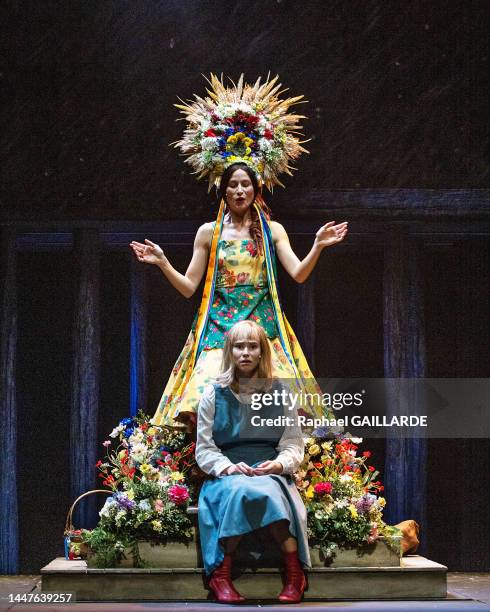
pixel 222 141
pixel 229 131
pixel 128 432
pixel 126 421
pixel 226 154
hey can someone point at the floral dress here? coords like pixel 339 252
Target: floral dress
pixel 241 292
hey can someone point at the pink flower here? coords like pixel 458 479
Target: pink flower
pixel 158 505
pixel 106 443
pixel 323 488
pixel 178 494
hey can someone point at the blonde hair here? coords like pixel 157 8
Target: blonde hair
pixel 245 329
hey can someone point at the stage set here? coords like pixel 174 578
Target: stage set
pixel 389 216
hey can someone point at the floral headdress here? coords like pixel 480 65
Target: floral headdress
pixel 241 123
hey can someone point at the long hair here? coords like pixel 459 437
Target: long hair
pixel 255 230
pixel 245 330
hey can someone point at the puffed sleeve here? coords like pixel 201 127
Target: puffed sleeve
pixel 208 456
pixel 291 447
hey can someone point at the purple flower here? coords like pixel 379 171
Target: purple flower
pixel 123 501
pixel 364 503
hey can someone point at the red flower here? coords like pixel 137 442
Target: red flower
pixel 178 494
pixel 268 134
pixel 144 427
pixel 98 464
pixel 210 133
pixel 318 465
pixel 371 468
pixel 366 454
pixel 251 249
pixel 323 488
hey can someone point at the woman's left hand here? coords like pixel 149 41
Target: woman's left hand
pixel 330 234
pixel 268 467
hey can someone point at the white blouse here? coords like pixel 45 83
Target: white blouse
pixel 212 461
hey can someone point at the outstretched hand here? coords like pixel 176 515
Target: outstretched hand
pixel 330 234
pixel 149 253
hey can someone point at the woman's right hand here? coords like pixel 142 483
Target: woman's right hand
pixel 239 468
pixel 149 253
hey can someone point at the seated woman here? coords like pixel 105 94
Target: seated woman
pixel 251 467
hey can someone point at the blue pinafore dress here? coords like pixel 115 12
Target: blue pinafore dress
pixel 239 504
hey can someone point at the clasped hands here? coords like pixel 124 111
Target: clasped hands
pixel 264 468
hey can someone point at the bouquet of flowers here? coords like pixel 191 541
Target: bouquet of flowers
pixel 241 123
pixel 148 473
pixel 341 494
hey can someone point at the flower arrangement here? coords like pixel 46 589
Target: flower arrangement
pixel 242 122
pixel 148 473
pixel 341 494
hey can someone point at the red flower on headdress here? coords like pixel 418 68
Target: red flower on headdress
pixel 210 133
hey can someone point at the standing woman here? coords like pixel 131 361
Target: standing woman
pixel 250 467
pixel 242 137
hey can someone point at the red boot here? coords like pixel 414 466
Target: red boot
pixel 221 584
pixel 295 579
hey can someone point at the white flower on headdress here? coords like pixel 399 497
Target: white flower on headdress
pixel 265 144
pixel 205 124
pixel 209 144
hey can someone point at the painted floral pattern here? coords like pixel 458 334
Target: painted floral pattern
pixel 241 292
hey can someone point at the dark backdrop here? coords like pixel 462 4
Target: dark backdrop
pixel 395 90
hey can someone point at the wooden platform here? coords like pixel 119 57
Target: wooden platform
pixel 415 578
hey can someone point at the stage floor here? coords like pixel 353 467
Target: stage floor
pixel 467 592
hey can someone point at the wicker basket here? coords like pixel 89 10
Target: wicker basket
pixel 74 547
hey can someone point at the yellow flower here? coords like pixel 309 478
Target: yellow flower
pixel 157 525
pixel 309 441
pixel 177 476
pixel 232 139
pixel 381 502
pixel 247 142
pixel 130 494
pixel 353 511
pixel 314 450
pixel 310 492
pixel 152 431
pixel 145 468
pixel 327 446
